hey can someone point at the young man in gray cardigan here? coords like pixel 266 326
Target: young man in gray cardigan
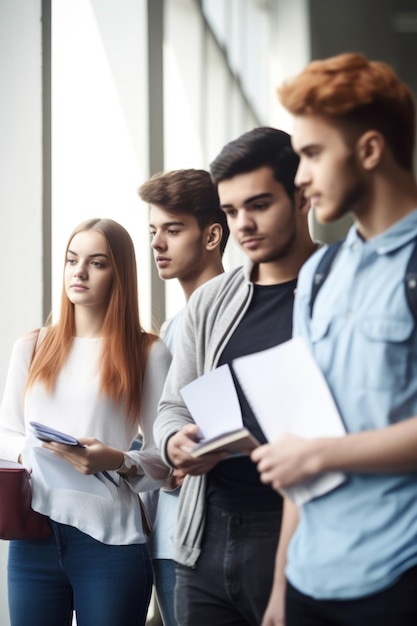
pixel 189 234
pixel 229 522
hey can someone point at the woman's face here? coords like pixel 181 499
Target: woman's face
pixel 88 275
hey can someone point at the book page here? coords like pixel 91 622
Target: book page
pixel 212 401
pixel 288 391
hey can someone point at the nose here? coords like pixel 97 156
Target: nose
pixel 301 177
pixel 80 271
pixel 158 242
pixel 244 221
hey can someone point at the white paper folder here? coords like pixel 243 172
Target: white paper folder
pixel 289 394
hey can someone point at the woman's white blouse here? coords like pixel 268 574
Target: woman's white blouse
pixel 77 407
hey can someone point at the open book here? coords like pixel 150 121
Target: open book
pixel 238 441
pixel 287 393
pixel 212 401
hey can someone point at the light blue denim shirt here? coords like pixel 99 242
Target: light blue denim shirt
pixel 358 539
pixel 163 505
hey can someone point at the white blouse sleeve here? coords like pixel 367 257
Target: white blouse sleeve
pixel 12 418
pixel 151 466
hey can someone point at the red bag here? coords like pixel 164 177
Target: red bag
pixel 17 518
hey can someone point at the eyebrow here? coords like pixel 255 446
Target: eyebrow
pixel 167 224
pixel 309 146
pixel 90 256
pixel 259 196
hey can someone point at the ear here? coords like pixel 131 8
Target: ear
pixel 214 234
pixel 370 149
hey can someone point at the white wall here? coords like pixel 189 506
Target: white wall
pixel 290 52
pixel 20 189
pixel 21 172
pixel 99 124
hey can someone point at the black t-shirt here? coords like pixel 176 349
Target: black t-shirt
pixel 234 484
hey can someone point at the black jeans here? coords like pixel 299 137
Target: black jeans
pixel 394 606
pixel 233 577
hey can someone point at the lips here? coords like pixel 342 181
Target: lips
pixel 78 287
pixel 250 242
pixel 162 261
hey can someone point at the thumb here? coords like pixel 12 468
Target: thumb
pixel 192 431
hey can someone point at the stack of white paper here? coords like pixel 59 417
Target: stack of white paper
pixel 288 394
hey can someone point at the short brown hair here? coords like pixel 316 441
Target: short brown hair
pixel 360 93
pixel 189 191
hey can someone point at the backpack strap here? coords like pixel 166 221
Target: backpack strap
pixel 326 262
pixel 323 269
pixel 410 280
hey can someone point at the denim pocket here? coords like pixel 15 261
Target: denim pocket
pixel 387 356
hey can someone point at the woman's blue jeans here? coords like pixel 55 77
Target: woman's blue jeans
pixel 49 578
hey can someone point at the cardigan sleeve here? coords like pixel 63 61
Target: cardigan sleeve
pixel 172 412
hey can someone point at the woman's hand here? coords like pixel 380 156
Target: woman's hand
pixel 93 457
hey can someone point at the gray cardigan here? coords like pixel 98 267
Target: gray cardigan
pixel 212 314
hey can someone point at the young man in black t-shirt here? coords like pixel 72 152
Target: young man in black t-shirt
pixel 229 521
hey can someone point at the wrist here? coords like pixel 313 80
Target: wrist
pixel 127 465
pixel 119 460
pixel 320 457
pixel 279 583
pixel 170 450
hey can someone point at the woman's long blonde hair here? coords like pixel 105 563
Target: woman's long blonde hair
pixel 125 344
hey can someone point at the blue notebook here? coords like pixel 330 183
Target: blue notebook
pixel 46 433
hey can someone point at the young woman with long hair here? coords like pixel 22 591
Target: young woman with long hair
pixel 97 375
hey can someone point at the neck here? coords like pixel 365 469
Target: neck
pixel 390 199
pixel 88 322
pixel 211 271
pixel 285 269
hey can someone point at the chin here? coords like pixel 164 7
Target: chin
pixel 256 257
pixel 325 219
pixel 326 216
pixel 165 275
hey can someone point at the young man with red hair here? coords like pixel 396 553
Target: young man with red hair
pixel 352 554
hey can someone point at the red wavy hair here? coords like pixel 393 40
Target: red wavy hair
pixel 359 95
pixel 125 344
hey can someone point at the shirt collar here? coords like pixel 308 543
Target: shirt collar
pixel 394 238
